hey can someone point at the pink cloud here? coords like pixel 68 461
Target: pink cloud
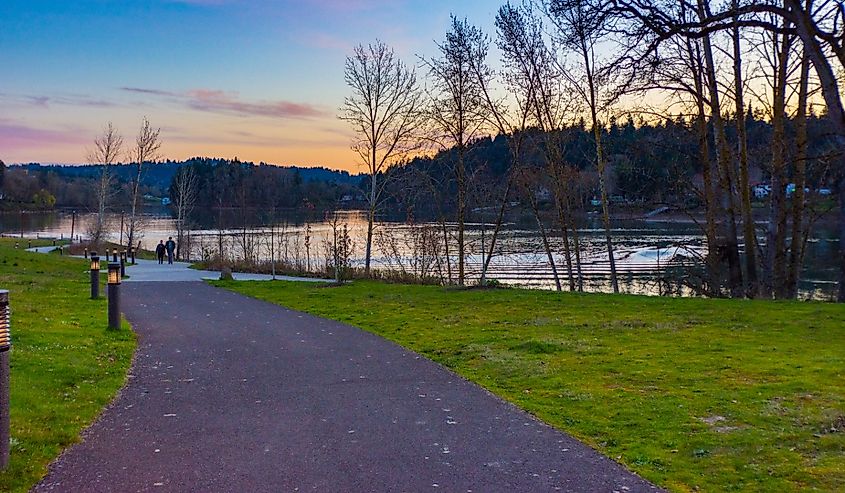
pixel 41 101
pixel 14 137
pixel 154 92
pixel 217 101
pixel 222 102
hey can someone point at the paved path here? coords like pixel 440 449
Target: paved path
pixel 42 249
pixel 230 393
pixel 150 270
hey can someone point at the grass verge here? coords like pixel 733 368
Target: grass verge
pixel 693 394
pixel 65 365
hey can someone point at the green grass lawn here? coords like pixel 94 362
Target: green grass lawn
pixel 716 395
pixel 65 365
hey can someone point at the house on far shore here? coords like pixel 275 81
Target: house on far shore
pixel 761 190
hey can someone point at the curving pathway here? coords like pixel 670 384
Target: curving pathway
pixel 151 270
pixel 229 393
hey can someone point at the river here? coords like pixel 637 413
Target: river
pixel 643 248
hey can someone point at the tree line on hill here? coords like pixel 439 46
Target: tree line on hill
pixel 76 186
pixel 649 164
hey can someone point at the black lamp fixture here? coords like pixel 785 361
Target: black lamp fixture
pixel 114 295
pixel 95 276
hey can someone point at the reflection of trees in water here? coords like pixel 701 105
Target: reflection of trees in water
pixel 653 258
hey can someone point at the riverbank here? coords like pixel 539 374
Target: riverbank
pixel 718 395
pixel 65 365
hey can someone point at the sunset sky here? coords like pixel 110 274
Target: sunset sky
pixel 260 80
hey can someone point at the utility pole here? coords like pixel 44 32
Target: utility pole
pixel 121 226
pixel 72 225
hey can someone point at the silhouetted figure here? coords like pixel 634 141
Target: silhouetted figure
pixel 160 251
pixel 170 246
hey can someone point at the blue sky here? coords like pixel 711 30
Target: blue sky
pixel 261 80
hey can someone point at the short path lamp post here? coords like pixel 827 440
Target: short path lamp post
pixel 123 263
pixel 114 295
pixel 132 254
pixel 113 254
pixel 86 252
pixel 5 345
pixel 95 276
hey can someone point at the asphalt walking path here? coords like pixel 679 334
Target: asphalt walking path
pixel 229 393
pixel 151 270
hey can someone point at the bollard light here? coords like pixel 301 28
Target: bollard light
pixel 95 276
pixel 30 244
pixel 5 345
pixel 132 254
pixel 86 252
pixel 114 273
pixel 113 254
pixel 123 263
pixel 114 295
pixel 5 335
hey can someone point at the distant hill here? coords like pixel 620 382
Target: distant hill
pixel 160 175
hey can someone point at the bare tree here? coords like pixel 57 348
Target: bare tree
pixel 580 27
pixel 184 193
pixel 796 248
pixel 107 149
pixel 535 74
pixel 385 111
pixel 458 109
pixel 147 147
pixel 748 228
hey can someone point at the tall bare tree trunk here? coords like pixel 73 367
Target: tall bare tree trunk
pixel 460 176
pixel 371 213
pixel 725 165
pixel 601 165
pixel 576 246
pixel 545 237
pixel 796 246
pixel 554 165
pixel 749 233
pixel 708 173
pixel 776 251
pixel 835 113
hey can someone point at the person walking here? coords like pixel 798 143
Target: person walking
pixel 160 251
pixel 170 246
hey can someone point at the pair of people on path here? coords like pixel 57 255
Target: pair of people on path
pixel 167 248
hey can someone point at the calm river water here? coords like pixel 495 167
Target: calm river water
pixel 643 247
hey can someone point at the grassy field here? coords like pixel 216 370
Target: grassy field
pixel 693 394
pixel 65 365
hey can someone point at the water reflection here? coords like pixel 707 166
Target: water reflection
pixel 642 247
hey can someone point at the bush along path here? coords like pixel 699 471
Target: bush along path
pixel 229 393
